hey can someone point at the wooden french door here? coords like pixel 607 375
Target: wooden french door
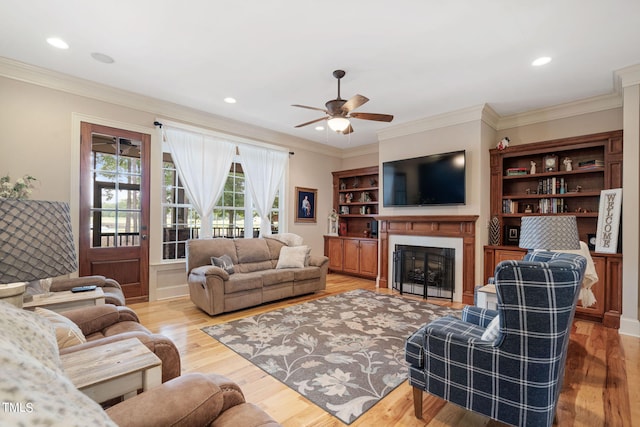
pixel 114 207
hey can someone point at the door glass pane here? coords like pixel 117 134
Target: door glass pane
pixel 116 204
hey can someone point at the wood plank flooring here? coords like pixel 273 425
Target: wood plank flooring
pixel 602 368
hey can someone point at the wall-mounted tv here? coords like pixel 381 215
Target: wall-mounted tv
pixel 436 179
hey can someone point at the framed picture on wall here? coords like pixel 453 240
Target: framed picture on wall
pixel 305 210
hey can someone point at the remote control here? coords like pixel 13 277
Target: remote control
pixel 83 288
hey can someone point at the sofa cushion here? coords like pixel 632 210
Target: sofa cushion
pixel 224 262
pixel 200 251
pixel 275 277
pixel 253 255
pixel 67 333
pixel 293 257
pixel 306 273
pixel 243 282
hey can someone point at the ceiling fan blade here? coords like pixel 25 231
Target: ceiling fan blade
pixel 354 102
pixel 372 116
pixel 312 121
pixel 310 108
pixel 348 130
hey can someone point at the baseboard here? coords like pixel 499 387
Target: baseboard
pixel 629 327
pixel 172 291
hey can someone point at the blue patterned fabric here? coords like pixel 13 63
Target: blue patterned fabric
pixel 517 378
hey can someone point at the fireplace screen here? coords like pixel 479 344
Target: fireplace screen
pixel 425 271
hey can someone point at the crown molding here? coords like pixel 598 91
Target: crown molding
pixel 26 73
pixel 576 108
pixel 434 122
pixel 628 76
pixel 361 150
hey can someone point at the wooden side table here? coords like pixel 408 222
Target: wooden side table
pixel 66 300
pixel 113 370
pixel 487 297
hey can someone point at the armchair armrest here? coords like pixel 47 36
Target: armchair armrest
pixel 66 283
pixel 478 316
pixel 192 399
pixel 96 318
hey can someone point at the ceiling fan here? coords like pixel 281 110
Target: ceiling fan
pixel 338 111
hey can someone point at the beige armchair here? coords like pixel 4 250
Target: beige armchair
pixel 104 324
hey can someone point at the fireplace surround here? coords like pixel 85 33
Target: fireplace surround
pixel 452 226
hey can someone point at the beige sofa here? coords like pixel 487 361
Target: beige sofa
pixel 260 273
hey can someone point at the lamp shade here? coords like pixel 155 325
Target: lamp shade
pixel 549 232
pixel 338 124
pixel 36 240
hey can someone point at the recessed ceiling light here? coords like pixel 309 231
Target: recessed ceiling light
pixel 57 42
pixel 230 100
pixel 319 127
pixel 101 57
pixel 543 60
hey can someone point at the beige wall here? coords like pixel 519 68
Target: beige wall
pixel 41 138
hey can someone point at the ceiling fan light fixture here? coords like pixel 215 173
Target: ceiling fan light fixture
pixel 338 124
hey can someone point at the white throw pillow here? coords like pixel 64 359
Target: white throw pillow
pixel 293 256
pixel 493 329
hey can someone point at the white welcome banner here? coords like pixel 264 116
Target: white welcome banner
pixel 609 221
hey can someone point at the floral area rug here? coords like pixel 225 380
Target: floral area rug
pixel 343 352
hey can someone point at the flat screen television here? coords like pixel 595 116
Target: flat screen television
pixel 436 179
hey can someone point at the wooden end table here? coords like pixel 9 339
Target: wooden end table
pixel 113 370
pixel 66 300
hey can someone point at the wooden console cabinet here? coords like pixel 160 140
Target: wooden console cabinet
pixel 559 189
pixel 355 199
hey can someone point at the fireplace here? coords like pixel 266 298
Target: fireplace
pixel 444 231
pixel 425 271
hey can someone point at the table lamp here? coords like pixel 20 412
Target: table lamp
pixel 556 232
pixel 36 242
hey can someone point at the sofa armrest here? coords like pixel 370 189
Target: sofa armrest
pixel 95 318
pixel 318 260
pixel 192 400
pixel 209 270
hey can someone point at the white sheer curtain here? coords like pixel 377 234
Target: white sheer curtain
pixel 203 163
pixel 263 170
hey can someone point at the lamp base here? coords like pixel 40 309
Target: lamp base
pixel 12 293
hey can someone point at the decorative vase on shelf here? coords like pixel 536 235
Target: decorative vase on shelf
pixel 494 231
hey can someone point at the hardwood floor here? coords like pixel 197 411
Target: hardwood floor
pixel 601 368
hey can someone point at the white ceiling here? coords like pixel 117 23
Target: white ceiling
pixel 411 58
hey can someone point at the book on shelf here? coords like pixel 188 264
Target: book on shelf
pixel 509 206
pixel 552 205
pixel 516 171
pixel 591 164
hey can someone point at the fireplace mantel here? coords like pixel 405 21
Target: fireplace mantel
pixel 460 226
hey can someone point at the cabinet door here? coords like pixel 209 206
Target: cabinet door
pixel 507 254
pixel 369 257
pixel 334 252
pixel 351 256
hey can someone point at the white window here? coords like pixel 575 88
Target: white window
pixel 233 214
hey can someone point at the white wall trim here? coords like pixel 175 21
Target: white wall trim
pixel 629 327
pixel 570 109
pixel 434 122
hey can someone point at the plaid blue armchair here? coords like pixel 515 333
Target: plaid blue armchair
pixel 515 377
